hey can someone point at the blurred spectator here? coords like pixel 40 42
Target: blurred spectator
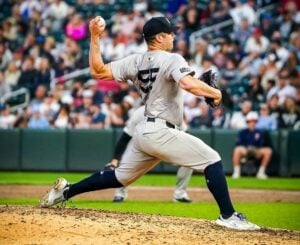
pixel 10 30
pixel 191 109
pixel 5 57
pixel 86 102
pixel 76 28
pixel 282 54
pixel 98 118
pixel 57 12
pixel 91 85
pixel 45 73
pixel 204 120
pixel 200 52
pixel 176 7
pixel 257 43
pixel 29 43
pixel 82 121
pixel 28 75
pixel 255 90
pixel 22 120
pixel 287 25
pixel 152 12
pixel 39 96
pixel 71 54
pixel 49 107
pixel 291 7
pixel 105 43
pixel 48 50
pixel 62 118
pixel 37 120
pixel 116 49
pixel 140 6
pixel 7 119
pixel 27 7
pixel 268 70
pixel 229 74
pixel 136 44
pixel 221 119
pixel 129 23
pixel 265 120
pixel 267 25
pixel 251 143
pixel 242 32
pixel 191 19
pixel 273 104
pixel 283 89
pixel 62 68
pixel 238 119
pixel 289 116
pixel 12 74
pixel 4 87
pixel 242 10
pixel 292 65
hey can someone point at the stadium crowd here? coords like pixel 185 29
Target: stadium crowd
pixel 257 60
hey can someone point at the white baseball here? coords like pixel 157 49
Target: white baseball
pixel 101 21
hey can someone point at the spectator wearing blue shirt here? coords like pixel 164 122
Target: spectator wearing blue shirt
pixel 37 120
pixel 98 118
pixel 265 120
pixel 251 142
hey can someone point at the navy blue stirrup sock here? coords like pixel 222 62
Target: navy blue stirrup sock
pixel 216 183
pixel 103 179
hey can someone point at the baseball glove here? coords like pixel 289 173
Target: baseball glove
pixel 210 78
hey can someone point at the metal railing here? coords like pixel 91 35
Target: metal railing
pixel 69 76
pixel 14 94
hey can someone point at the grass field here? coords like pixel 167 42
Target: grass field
pixel 278 215
pixel 43 178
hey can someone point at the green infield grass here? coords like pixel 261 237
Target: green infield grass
pixel 276 215
pixel 197 180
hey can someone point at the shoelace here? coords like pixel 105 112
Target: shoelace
pixel 241 216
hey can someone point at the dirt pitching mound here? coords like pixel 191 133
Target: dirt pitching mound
pixel 34 225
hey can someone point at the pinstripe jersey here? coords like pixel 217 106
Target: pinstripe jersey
pixel 156 75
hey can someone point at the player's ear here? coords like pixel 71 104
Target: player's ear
pixel 160 37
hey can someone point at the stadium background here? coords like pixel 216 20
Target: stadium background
pixel 45 81
pixel 51 119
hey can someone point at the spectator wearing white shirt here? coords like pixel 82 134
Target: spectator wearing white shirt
pixel 242 10
pixel 283 89
pixel 257 43
pixel 7 119
pixel 238 119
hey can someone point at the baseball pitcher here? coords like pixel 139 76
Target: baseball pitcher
pixel 160 77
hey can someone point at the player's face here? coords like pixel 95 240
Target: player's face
pixel 168 41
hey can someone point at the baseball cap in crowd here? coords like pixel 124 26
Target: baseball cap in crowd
pixel 251 116
pixel 157 25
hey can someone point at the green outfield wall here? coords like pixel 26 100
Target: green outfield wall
pixel 89 150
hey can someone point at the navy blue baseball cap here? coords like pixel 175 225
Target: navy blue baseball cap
pixel 157 25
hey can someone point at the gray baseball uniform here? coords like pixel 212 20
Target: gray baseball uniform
pixel 183 173
pixel 156 75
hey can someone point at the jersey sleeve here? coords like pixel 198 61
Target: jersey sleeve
pixel 179 68
pixel 124 69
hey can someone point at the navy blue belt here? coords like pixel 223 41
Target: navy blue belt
pixel 152 119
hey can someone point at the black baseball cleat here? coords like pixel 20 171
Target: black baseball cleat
pixel 118 199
